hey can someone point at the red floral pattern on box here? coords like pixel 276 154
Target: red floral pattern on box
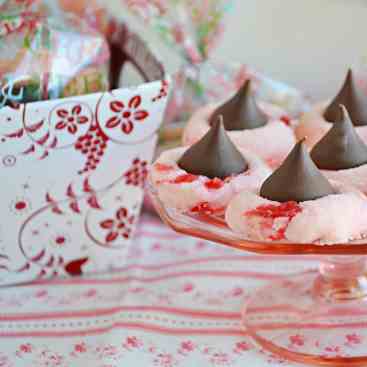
pixel 137 174
pixel 70 120
pixel 93 145
pixel 127 118
pixel 126 115
pixel 66 175
pixel 118 226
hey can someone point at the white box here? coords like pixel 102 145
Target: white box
pixel 71 175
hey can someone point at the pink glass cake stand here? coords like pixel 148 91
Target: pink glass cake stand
pixel 317 317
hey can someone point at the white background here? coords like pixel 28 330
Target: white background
pixel 309 43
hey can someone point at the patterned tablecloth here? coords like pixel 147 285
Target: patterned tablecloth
pixel 176 302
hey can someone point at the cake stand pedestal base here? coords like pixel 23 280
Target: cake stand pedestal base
pixel 317 317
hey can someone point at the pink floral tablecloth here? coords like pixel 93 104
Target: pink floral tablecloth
pixel 176 302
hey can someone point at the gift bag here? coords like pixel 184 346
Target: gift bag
pixel 73 168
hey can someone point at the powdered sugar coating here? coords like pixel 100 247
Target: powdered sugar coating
pixel 356 177
pixel 182 191
pixel 329 220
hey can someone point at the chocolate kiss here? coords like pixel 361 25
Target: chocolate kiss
pixel 241 111
pixel 341 147
pixel 214 155
pixel 353 98
pixel 297 179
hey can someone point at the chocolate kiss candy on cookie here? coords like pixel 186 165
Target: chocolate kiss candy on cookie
pixel 214 155
pixel 341 147
pixel 353 98
pixel 241 111
pixel 297 179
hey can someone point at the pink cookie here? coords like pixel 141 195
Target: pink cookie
pixel 271 142
pixel 336 218
pixel 186 192
pixel 356 177
pixel 313 126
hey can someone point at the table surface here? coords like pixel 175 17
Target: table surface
pixel 176 302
